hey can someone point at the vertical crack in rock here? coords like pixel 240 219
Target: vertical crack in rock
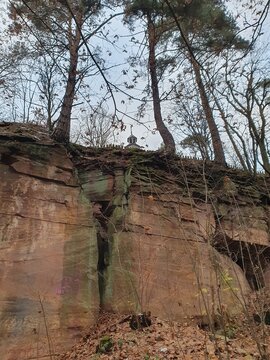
pixel 109 208
pixel 102 211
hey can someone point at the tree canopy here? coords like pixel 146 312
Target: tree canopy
pixel 186 62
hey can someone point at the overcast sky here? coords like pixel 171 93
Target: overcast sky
pixel 116 57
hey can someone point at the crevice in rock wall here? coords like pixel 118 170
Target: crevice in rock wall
pixel 265 199
pixel 7 159
pixel 108 192
pixel 252 258
pixel 102 211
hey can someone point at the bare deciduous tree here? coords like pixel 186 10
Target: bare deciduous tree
pixel 248 94
pixel 96 128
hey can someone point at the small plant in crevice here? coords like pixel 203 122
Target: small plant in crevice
pixel 105 345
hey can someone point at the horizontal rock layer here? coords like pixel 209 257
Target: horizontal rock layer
pixel 124 231
pixel 48 252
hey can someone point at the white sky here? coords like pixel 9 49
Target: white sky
pixel 116 76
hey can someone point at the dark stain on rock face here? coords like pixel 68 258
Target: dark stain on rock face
pixel 16 311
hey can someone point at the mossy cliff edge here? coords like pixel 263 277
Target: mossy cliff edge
pixel 84 229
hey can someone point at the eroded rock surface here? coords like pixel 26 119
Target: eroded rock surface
pixel 126 231
pixel 183 239
pixel 48 252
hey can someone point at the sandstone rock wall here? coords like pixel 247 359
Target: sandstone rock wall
pixel 48 252
pixel 161 254
pixel 124 231
pixel 183 241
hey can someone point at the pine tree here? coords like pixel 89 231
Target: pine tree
pixel 63 21
pixel 205 26
pixel 152 12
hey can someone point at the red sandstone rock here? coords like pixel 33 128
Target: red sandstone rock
pixel 161 248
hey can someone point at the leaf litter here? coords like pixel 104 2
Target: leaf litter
pixel 113 339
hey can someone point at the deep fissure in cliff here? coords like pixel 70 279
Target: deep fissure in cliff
pixel 102 211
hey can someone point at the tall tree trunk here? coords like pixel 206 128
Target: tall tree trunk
pixel 263 142
pixel 49 113
pixel 244 161
pixel 259 138
pixel 216 140
pixel 167 137
pixel 61 132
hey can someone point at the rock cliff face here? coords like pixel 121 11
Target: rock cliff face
pixel 48 250
pixel 182 239
pixel 124 231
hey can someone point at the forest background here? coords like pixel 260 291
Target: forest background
pixel 190 76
